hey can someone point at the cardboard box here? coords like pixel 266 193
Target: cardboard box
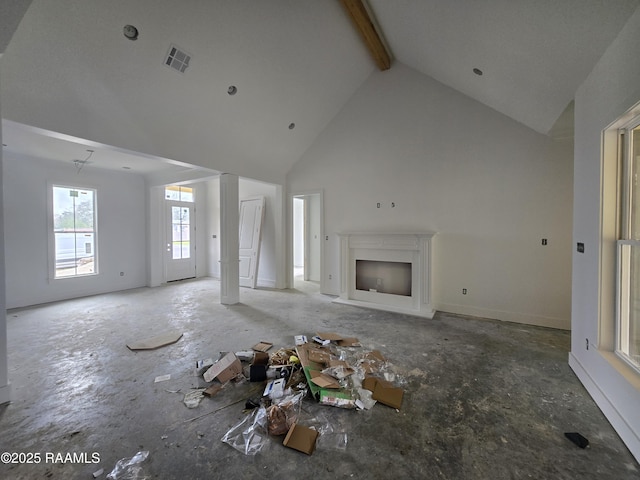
pixel 301 438
pixel 260 358
pixel 225 369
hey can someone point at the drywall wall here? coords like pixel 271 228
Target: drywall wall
pixel 267 264
pixel 268 259
pixel 612 88
pixel 213 227
pixel 436 160
pixel 5 387
pixel 121 243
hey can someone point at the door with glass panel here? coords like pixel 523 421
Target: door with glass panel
pixel 180 248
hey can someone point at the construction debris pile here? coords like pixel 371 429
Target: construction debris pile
pixel 332 369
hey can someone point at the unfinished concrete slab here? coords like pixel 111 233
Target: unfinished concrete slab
pixel 482 399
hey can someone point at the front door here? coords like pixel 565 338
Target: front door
pixel 180 258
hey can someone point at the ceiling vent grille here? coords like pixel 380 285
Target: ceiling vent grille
pixel 177 59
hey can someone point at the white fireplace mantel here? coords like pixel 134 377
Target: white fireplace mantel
pixel 413 248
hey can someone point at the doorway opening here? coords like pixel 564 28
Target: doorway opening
pixel 307 238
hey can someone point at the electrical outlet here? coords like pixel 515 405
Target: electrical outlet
pixel 464 291
pixel 544 241
pixel 580 247
pixel 587 343
pixel 330 276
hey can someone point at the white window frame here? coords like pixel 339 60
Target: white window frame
pixel 625 244
pixel 51 234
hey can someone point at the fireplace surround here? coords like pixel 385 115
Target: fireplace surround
pixel 387 271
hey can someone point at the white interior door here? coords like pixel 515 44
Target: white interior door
pixel 251 216
pixel 180 258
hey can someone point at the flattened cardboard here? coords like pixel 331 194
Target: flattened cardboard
pixel 225 369
pixel 301 438
pixel 155 342
pixel 262 346
pixel 319 356
pixel 322 380
pixel 384 392
pixel 349 342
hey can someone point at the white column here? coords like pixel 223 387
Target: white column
pixel 229 240
pixel 5 387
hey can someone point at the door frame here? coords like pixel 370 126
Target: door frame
pixel 320 227
pixel 168 204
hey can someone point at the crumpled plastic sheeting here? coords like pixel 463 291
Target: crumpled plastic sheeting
pixel 250 435
pixel 129 468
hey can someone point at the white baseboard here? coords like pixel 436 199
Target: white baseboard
pixel 617 421
pixel 5 394
pixel 525 318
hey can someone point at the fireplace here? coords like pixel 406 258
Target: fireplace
pixel 387 271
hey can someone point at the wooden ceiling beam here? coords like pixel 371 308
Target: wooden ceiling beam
pixel 364 24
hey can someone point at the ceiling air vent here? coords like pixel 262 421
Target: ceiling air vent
pixel 177 59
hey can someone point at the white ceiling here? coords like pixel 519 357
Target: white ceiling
pixel 292 61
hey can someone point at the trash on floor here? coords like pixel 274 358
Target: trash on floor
pixel 578 439
pixel 225 369
pixel 332 367
pixel 250 435
pixel 162 378
pixel 301 438
pixel 155 342
pixel 262 346
pixel 129 468
pixel 193 398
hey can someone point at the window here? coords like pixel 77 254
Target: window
pixel 74 231
pixel 179 194
pixel 628 312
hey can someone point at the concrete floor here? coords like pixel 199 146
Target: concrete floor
pixel 483 399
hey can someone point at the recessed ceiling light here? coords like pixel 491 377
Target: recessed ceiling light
pixel 292 126
pixel 130 32
pixel 232 90
pixel 477 71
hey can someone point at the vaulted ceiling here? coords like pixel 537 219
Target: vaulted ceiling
pixel 69 72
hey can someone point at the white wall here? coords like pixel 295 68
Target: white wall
pixel 5 387
pixel 267 265
pixel 491 187
pixel 612 88
pixel 121 230
pixel 298 232
pixel 213 228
